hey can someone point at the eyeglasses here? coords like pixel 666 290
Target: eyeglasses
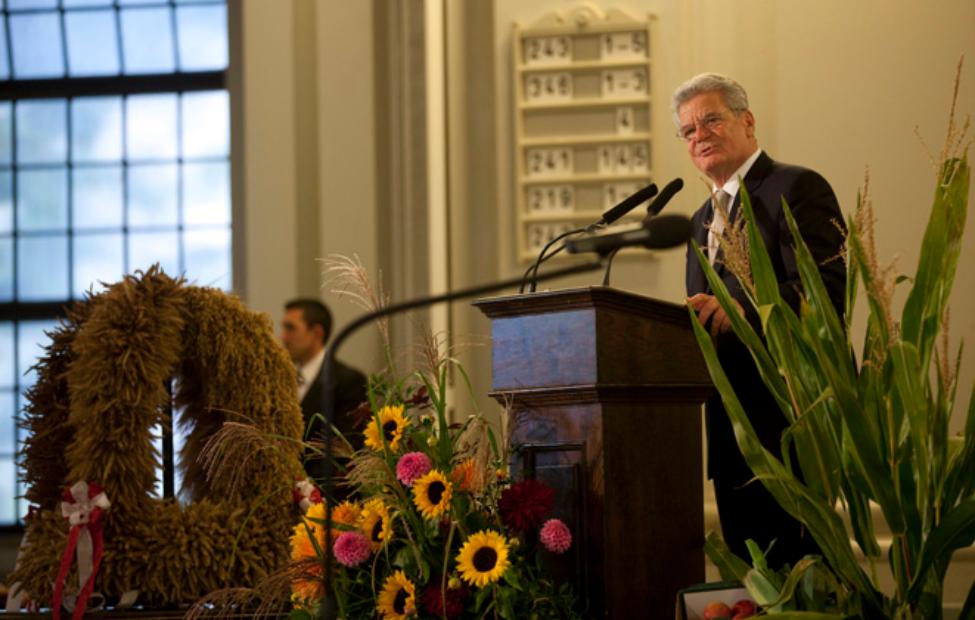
pixel 711 122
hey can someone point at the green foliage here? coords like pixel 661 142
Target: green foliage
pixel 873 432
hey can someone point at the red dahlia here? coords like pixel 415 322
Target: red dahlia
pixel 525 504
pixel 432 601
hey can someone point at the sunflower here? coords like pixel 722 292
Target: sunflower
pixel 375 524
pixel 392 422
pixel 310 528
pixel 346 513
pixel 483 558
pixel 431 494
pixel 398 598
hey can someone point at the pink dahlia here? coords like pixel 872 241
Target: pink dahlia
pixel 351 548
pixel 525 504
pixel 411 466
pixel 556 536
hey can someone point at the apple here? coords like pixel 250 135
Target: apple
pixel 743 609
pixel 717 611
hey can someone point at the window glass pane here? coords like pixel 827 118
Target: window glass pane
pixel 152 195
pixel 6 203
pixel 138 2
pixel 206 124
pixel 41 132
pixel 36 43
pixel 6 269
pixel 74 3
pixel 32 4
pixel 96 129
pixel 8 430
pixel 42 268
pixel 146 249
pixel 6 152
pixel 4 61
pixel 206 193
pixel 31 341
pixel 208 257
pixel 150 126
pixel 96 198
pixel 202 37
pixel 42 199
pixel 8 478
pixel 147 41
pixel 92 43
pixel 8 372
pixel 97 258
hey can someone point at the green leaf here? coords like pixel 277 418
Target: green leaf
pixel 730 566
pixel 956 531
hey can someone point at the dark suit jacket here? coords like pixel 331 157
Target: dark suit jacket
pixel 818 216
pixel 350 391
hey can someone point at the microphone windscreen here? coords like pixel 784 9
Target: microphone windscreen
pixel 668 231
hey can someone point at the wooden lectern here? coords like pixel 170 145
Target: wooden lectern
pixel 604 391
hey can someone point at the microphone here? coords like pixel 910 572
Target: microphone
pixel 658 233
pixel 628 204
pixel 661 201
pixel 625 206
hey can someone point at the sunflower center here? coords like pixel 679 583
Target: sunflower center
pixel 435 491
pixel 377 531
pixel 399 603
pixel 485 559
pixel 388 429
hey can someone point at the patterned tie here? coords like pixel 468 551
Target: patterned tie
pixel 719 219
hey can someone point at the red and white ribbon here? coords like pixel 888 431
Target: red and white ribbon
pixel 306 494
pixel 84 507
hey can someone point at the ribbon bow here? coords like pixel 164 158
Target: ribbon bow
pixel 84 506
pixel 306 494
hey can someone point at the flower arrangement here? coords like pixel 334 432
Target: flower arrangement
pixel 431 525
pixel 437 529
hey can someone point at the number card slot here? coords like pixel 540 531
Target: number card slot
pixel 623 45
pixel 547 50
pixel 548 87
pixel 622 83
pixel 582 121
pixel 622 158
pixel 543 199
pixel 554 162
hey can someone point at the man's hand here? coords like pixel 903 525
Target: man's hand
pixel 708 307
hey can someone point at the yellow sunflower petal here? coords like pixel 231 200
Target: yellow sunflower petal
pixel 483 558
pixel 398 597
pixel 391 426
pixel 432 493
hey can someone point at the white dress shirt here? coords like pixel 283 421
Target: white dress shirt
pixel 308 372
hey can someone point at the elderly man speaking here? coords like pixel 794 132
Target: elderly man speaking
pixel 713 118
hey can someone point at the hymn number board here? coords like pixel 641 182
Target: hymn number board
pixel 582 119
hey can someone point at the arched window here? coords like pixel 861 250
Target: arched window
pixel 114 155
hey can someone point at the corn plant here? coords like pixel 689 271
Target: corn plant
pixel 873 432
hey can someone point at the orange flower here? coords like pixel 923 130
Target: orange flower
pixel 463 476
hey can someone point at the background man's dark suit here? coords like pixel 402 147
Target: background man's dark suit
pixel 350 392
pixel 748 510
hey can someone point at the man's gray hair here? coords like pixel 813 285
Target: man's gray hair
pixel 732 93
